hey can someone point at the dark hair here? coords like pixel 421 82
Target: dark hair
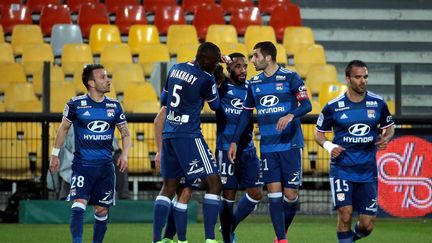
pixel 353 63
pixel 267 48
pixel 208 55
pixel 87 73
pixel 235 54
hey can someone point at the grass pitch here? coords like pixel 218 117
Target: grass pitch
pixel 256 229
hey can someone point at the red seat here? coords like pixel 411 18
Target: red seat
pixel 36 6
pixel 267 6
pixel 284 16
pixel 4 4
pixel 113 5
pixel 190 6
pixel 129 15
pixel 202 21
pixel 13 15
pixel 90 14
pixel 230 6
pixel 168 15
pixel 152 5
pixel 75 5
pixel 54 14
pixel 242 18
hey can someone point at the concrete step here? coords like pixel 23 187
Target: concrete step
pixel 375 35
pixel 378 56
pixel 370 4
pixel 367 14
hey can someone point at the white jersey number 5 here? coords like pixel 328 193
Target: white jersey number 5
pixel 176 102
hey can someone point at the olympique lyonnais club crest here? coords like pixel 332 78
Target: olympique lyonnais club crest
pixel 404 177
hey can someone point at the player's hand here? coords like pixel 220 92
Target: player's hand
pixel 158 162
pixel 122 162
pixel 232 152
pixel 283 122
pixel 381 143
pixel 336 151
pixel 54 164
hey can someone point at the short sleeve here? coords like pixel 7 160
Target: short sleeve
pixel 298 88
pixel 386 118
pixel 163 98
pixel 249 102
pixel 209 90
pixel 69 111
pixel 120 116
pixel 325 120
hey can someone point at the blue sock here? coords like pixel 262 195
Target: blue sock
pixel 160 214
pixel 245 206
pixel 99 228
pixel 226 218
pixel 290 209
pixel 359 233
pixel 345 237
pixel 180 219
pixel 170 229
pixel 210 211
pixel 277 214
pixel 77 221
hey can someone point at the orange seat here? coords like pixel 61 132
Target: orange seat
pixel 13 15
pixel 243 17
pixel 267 6
pixel 114 5
pixel 75 5
pixel 153 5
pixel 284 16
pixel 140 35
pixel 168 15
pixel 191 6
pixel 91 14
pixel 36 6
pixel 202 21
pixel 229 6
pixel 129 15
pixel 54 14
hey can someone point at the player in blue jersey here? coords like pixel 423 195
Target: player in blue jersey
pixel 184 151
pixel 280 97
pixel 245 171
pixel 361 123
pixel 94 117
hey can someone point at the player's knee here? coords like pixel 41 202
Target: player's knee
pixel 345 215
pixel 100 211
pixel 78 206
pixel 368 227
pixel 291 194
pixel 255 194
pixel 214 185
pixel 185 195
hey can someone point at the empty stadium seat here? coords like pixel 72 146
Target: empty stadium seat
pixel 25 35
pixel 229 6
pixel 34 56
pixel 1 34
pixel 8 130
pixel 202 21
pixel 146 107
pixel 187 52
pixel 133 94
pixel 13 15
pixel 54 14
pixel 251 71
pixel 64 34
pixel 6 53
pixel 75 56
pixel 61 93
pixel 36 6
pixel 92 14
pixel 179 35
pixel 191 6
pixel 56 76
pixel 31 134
pixel 125 73
pixel 113 54
pixel 258 33
pixel 5 4
pixel 281 57
pixel 330 91
pixel 267 6
pixel 316 107
pixel 218 34
pixel 14 160
pixel 75 5
pixel 318 74
pixel 391 106
pixel 129 15
pixel 138 159
pixel 20 97
pixel 140 35
pixel 228 48
pixel 243 17
pixel 11 73
pixel 297 37
pixel 77 81
pixel 114 5
pixel 166 16
pixel 308 56
pixel 153 5
pixel 102 34
pixel 151 54
pixel 284 16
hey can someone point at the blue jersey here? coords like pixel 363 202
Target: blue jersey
pixel 356 127
pixel 274 97
pixel 94 124
pixel 227 117
pixel 186 89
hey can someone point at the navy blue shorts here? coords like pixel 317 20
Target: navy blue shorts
pixel 94 184
pixel 190 158
pixel 362 196
pixel 284 167
pixel 244 173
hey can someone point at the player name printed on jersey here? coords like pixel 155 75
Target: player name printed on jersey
pixel 183 75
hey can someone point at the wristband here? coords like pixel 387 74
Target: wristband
pixel 55 151
pixel 329 146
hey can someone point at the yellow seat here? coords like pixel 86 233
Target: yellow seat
pixel 2 107
pixel 296 37
pixel 61 93
pixel 209 134
pixel 101 34
pixel 179 35
pixel 306 163
pixel 228 48
pixel 136 93
pixel 220 33
pixel 206 109
pixel 320 73
pixel 251 71
pixel 14 161
pixel 329 91
pixel 258 33
pixel 316 108
pixel 75 56
pixel 391 106
pixel 113 92
pixel 31 134
pixel 146 107
pixel 57 76
pixel 139 158
pixel 24 34
pixel 34 56
pixel 308 56
pixel 281 57
pixel 77 81
pixel 140 35
pixel 125 73
pixel 1 34
pixel 113 54
pixel 11 73
pixel 187 52
pixel 151 54
pixel 6 53
pixel 20 97
pixel 8 130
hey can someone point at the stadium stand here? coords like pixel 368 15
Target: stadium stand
pixel 243 17
pixel 329 91
pixel 284 16
pixel 296 37
pixel 75 5
pixel 129 15
pixel 168 15
pixel 24 34
pixel 14 160
pixel 140 35
pixel 1 34
pixel 61 93
pixel 190 6
pixel 187 52
pixel 267 6
pixel 6 53
pixel 201 19
pixel 20 97
pixel 151 54
pixel 113 6
pixel 91 14
pixel 179 35
pixel 125 73
pixel 133 94
pixel 36 6
pixel 318 74
pixel 307 56
pixel 229 6
pixel 102 34
pixel 258 33
pixel 54 14
pixel 153 5
pixel 114 54
pixel 13 15
pixel 34 56
pixel 75 56
pixel 227 47
pixel 64 34
pixel 219 34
